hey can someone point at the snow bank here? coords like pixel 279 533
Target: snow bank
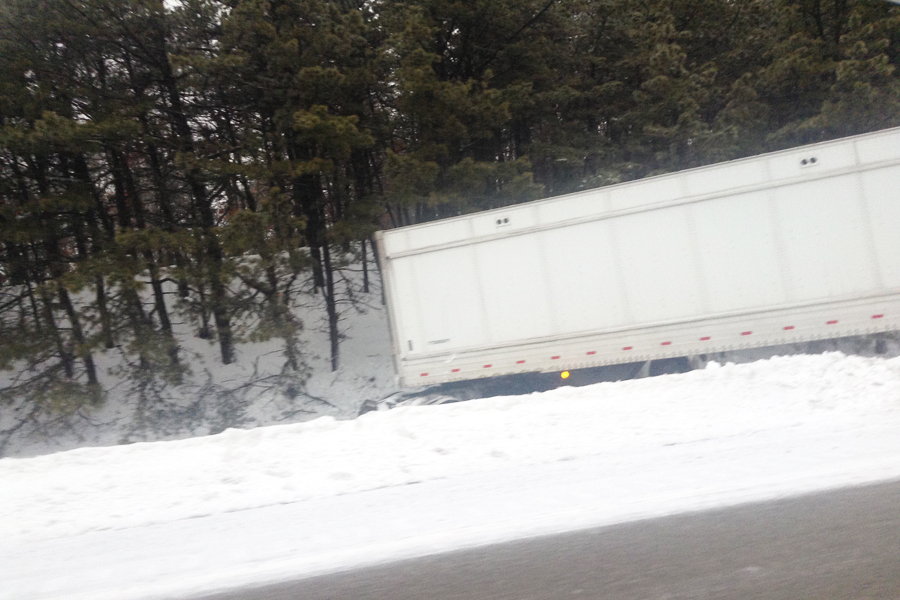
pixel 624 424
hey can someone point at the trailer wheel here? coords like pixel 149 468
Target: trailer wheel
pixel 668 366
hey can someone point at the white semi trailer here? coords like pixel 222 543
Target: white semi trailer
pixel 790 246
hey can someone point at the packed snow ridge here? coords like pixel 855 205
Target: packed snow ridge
pixel 630 426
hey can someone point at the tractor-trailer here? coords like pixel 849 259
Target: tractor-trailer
pixel 790 246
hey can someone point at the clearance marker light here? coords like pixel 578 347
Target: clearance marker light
pixel 564 374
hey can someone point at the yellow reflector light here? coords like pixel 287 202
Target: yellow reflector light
pixel 564 374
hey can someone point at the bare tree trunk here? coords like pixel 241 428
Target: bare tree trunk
pixel 377 260
pixel 123 210
pixel 204 333
pixel 331 308
pixel 78 335
pixel 220 316
pixel 34 307
pixel 280 306
pixel 365 267
pixel 65 356
pixel 165 204
pixel 105 319
pixel 159 298
pixel 80 169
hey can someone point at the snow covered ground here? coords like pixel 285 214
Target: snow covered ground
pixel 169 519
pixel 250 392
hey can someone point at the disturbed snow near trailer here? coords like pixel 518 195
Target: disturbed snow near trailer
pixel 273 503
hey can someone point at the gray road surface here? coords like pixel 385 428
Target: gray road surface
pixel 837 545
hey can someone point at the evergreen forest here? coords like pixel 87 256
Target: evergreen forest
pixel 209 161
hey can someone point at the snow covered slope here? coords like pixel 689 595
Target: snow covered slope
pixel 251 392
pixel 292 500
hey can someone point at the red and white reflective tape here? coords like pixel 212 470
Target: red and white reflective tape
pixel 705 338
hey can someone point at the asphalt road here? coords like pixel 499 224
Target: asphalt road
pixel 842 545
